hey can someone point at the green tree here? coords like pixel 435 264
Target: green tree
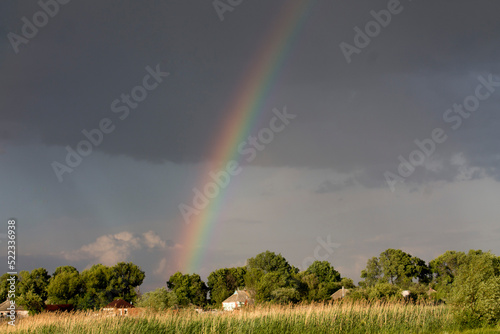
pixel 396 267
pixel 223 282
pixel 33 289
pixel 159 299
pixel 64 269
pixel 96 281
pixel 444 269
pixel 384 290
pixel 311 283
pixel 65 286
pixel 347 283
pixel 270 262
pixel 322 281
pixel 31 301
pixel 285 295
pixel 373 272
pixel 5 285
pixel 268 272
pixel 475 293
pixel 422 271
pixel 124 278
pixel 252 279
pixel 189 289
pixel 269 283
pixel 324 271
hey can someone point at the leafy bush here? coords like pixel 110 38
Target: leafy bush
pixel 285 295
pixel 159 299
pixel 475 293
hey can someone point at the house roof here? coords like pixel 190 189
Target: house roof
pixel 338 294
pixel 119 303
pixel 239 296
pixel 59 307
pixel 6 304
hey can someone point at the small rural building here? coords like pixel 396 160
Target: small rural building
pixel 341 293
pixel 5 311
pixel 59 307
pixel 238 299
pixel 118 307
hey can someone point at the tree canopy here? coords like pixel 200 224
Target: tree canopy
pixel 396 267
pixel 189 289
pixel 469 282
pixel 475 292
pixel 223 282
pixel 65 286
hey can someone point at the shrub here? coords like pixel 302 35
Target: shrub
pixel 475 293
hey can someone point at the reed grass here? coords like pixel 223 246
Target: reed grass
pixel 350 317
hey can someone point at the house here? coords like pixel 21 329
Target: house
pixel 238 299
pixel 341 293
pixel 431 291
pixel 59 307
pixel 6 308
pixel 118 307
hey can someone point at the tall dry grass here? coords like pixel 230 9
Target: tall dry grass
pixel 355 317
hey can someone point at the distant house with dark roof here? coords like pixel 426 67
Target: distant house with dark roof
pixel 238 299
pixel 6 308
pixel 118 307
pixel 341 293
pixel 59 308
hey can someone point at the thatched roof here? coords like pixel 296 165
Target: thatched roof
pixel 119 303
pixel 240 296
pixel 6 304
pixel 338 294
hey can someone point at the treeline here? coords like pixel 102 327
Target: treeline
pixel 91 289
pixel 268 277
pixel 469 283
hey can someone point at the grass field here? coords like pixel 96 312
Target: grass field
pixel 336 318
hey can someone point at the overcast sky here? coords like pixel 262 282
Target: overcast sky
pixel 324 175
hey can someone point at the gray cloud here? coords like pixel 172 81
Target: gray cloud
pixel 353 121
pixel 111 249
pixel 356 117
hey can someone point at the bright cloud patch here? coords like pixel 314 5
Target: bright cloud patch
pixel 112 248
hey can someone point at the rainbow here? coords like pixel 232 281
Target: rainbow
pixel 242 113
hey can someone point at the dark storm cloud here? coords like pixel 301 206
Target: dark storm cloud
pixel 356 117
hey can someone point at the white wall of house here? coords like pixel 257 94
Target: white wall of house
pixel 231 306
